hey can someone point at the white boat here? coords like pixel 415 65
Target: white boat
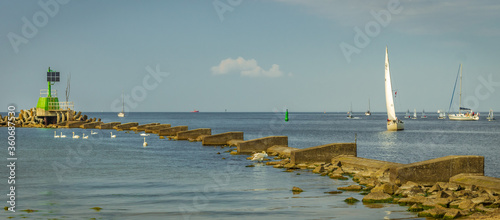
pixel 393 123
pixel 490 115
pixel 122 114
pixel 423 114
pixel 469 115
pixel 349 114
pixel 367 113
pixel 442 114
pixel 407 115
pixel 414 114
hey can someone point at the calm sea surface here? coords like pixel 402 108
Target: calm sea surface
pixel 65 178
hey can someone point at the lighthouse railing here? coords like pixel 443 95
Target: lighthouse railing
pixel 45 92
pixel 60 106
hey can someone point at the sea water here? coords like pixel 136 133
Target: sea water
pixel 66 178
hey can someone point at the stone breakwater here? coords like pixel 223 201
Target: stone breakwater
pixel 443 188
pixel 28 118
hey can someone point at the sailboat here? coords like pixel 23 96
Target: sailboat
pixel 367 113
pixel 414 114
pixel 442 114
pixel 423 114
pixel 122 114
pixel 393 123
pixel 490 115
pixel 469 114
pixel 349 114
pixel 407 115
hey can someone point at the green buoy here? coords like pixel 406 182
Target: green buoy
pixel 286 115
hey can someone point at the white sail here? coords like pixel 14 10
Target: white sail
pixel 389 100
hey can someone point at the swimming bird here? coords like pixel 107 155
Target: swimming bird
pixel 75 136
pixel 145 143
pixel 259 156
pixel 55 135
pixel 112 136
pixel 144 134
pixel 85 137
pixel 92 132
pixel 62 136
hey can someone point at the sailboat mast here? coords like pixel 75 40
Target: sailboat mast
pixel 123 103
pixel 460 99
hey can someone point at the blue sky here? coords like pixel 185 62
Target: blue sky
pixel 242 55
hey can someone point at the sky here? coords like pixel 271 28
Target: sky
pixel 250 56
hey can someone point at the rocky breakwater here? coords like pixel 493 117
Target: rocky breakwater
pixel 464 196
pixel 28 118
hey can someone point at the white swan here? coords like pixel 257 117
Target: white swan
pixel 75 136
pixel 112 136
pixel 55 135
pixel 85 137
pixel 62 136
pixel 92 132
pixel 259 156
pixel 144 134
pixel 145 143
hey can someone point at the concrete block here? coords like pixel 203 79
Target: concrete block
pixel 109 125
pixel 437 170
pixel 477 179
pixel 74 124
pixel 261 144
pixel 222 139
pixel 172 131
pixel 363 163
pixel 125 126
pixel 323 153
pixel 91 125
pixel 184 135
pixel 281 150
pixel 156 128
pixel 143 127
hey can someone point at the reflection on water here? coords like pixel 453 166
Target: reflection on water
pixel 387 139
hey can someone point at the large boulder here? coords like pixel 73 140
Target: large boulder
pixel 377 197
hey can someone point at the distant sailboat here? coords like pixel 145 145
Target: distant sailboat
pixel 393 123
pixel 407 115
pixel 122 113
pixel 469 114
pixel 490 115
pixel 367 113
pixel 423 114
pixel 442 114
pixel 349 114
pixel 414 114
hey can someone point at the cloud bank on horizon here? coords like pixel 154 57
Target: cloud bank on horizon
pixel 247 68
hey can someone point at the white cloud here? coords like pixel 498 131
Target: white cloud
pixel 248 68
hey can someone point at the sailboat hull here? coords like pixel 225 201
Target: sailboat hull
pixel 395 125
pixel 463 117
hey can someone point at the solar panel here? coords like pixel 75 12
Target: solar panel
pixel 53 76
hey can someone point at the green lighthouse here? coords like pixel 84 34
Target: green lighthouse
pixel 48 105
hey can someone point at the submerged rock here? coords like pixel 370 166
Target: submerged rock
pixel 351 200
pixel 334 192
pixel 351 188
pixel 338 177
